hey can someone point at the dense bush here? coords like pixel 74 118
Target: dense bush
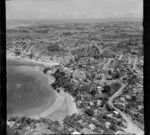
pixel 115 74
pixel 64 81
pixel 54 48
pixel 46 69
pixel 90 112
pixel 132 79
pixel 106 88
pixel 109 108
pixel 113 127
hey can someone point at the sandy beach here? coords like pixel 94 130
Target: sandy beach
pixel 64 105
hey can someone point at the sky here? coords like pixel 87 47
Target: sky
pixel 73 9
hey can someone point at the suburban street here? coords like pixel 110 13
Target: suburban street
pixel 131 127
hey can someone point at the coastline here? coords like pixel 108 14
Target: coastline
pixel 28 61
pixel 61 97
pixel 59 107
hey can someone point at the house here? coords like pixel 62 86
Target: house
pixel 88 107
pixel 140 107
pixel 134 90
pixel 122 100
pixel 93 119
pixel 84 124
pixel 107 124
pixel 75 132
pixel 99 102
pixel 91 126
pixel 10 123
pixel 115 112
pixel 96 112
pixel 98 76
pixel 120 105
pixel 109 115
pixel 134 112
pixel 128 97
pixel 80 121
pixel 91 103
pixel 99 88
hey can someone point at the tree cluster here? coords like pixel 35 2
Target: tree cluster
pixel 62 80
pixel 54 48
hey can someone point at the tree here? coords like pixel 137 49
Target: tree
pixel 17 52
pixel 109 72
pixel 53 47
pixel 90 112
pixel 133 98
pixel 46 69
pixel 106 88
pixel 109 108
pixel 115 86
pixel 113 127
pixel 132 79
pixel 93 92
pixel 85 88
pixel 59 73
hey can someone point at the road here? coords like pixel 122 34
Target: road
pixel 106 65
pixel 131 127
pixel 135 62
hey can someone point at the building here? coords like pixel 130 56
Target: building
pixel 91 103
pixel 115 112
pixel 99 102
pixel 128 97
pixel 109 115
pixel 91 126
pixel 75 133
pixel 99 88
pixel 140 107
pixel 107 124
pixel 122 100
pixel 120 105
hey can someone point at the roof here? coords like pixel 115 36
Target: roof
pixel 121 132
pixel 75 132
pixel 88 131
pixel 115 112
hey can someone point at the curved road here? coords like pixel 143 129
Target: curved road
pixel 131 127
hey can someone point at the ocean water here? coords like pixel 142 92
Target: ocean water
pixel 28 91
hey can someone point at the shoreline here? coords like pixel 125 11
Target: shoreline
pixel 60 97
pixel 56 107
pixel 18 58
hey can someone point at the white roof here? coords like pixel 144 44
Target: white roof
pixel 116 112
pixel 107 123
pixel 75 132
